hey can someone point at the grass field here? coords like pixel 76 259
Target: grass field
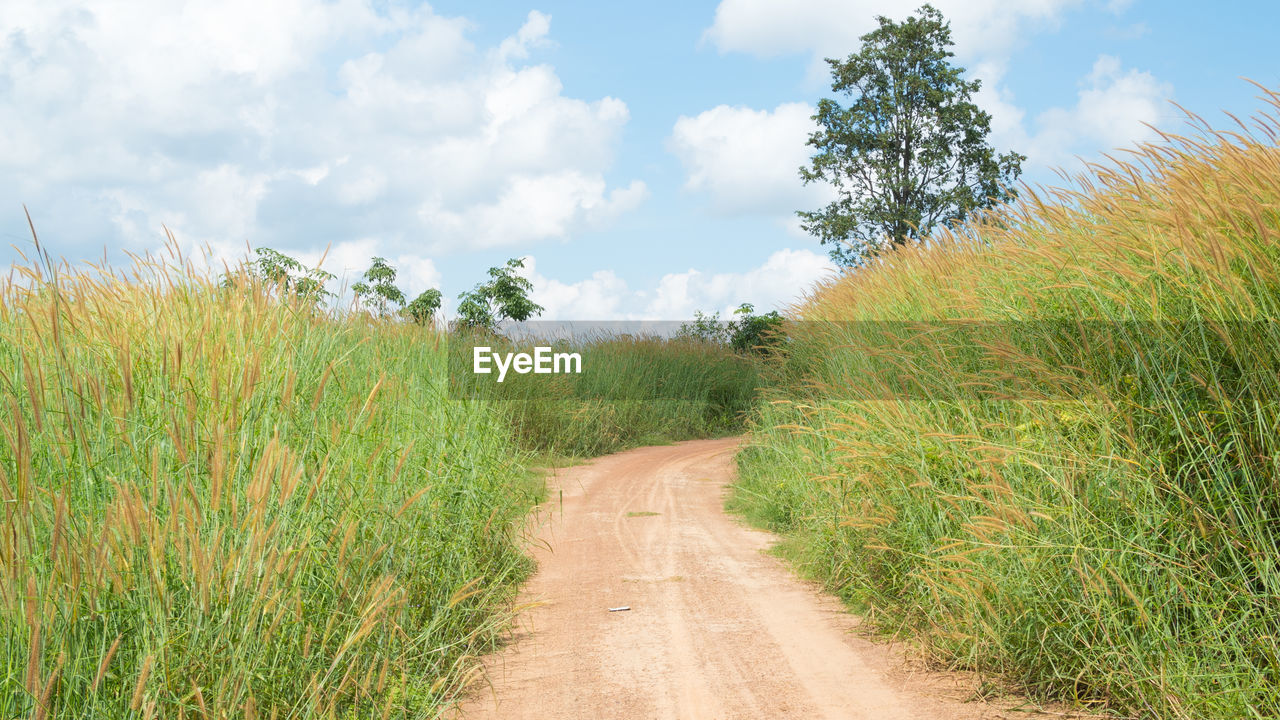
pixel 221 504
pixel 1081 513
pixel 632 391
pixel 217 504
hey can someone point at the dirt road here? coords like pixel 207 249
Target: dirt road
pixel 716 628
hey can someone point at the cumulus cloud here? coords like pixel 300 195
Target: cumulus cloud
pixel 537 206
pixel 774 285
pixel 833 28
pixel 533 34
pixel 1115 107
pixel 1112 106
pixel 783 277
pixel 294 124
pixel 747 160
pixel 602 296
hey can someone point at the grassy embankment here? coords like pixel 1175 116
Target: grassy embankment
pixel 1101 522
pixel 217 504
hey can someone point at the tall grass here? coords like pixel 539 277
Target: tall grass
pixel 217 504
pixel 1107 533
pixel 632 391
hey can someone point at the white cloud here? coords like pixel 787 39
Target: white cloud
pixel 1114 106
pixel 235 121
pixel 1113 109
pixel 599 297
pixel 1109 111
pixel 833 28
pixel 748 160
pixel 536 207
pixel 533 34
pixel 774 285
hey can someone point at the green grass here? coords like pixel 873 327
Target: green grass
pixel 219 505
pixel 631 392
pixel 1101 522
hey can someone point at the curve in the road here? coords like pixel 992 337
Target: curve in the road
pixel 716 628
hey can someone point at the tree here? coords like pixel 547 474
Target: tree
pixel 274 266
pixel 290 276
pixel 706 328
pixel 424 307
pixel 754 333
pixel 746 332
pixel 378 286
pixel 474 311
pixel 311 287
pixel 505 296
pixel 909 152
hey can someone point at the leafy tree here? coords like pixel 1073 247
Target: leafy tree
pixel 275 266
pixel 754 333
pixel 474 311
pixel 707 328
pixel 505 296
pixel 910 149
pixel 378 286
pixel 746 332
pixel 424 307
pixel 311 286
pixel 290 276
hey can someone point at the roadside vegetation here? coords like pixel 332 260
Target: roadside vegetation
pixel 633 391
pixel 220 502
pixel 223 498
pixel 647 387
pixel 1045 443
pixel 1039 439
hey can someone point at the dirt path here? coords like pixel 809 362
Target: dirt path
pixel 717 629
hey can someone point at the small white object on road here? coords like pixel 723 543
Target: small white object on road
pixel 620 609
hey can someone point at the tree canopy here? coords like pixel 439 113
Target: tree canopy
pixel 745 332
pixel 377 286
pixel 909 151
pixel 505 296
pixel 290 276
pixel 424 307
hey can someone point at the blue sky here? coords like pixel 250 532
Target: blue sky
pixel 643 156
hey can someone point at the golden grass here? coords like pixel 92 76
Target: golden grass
pixel 1047 442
